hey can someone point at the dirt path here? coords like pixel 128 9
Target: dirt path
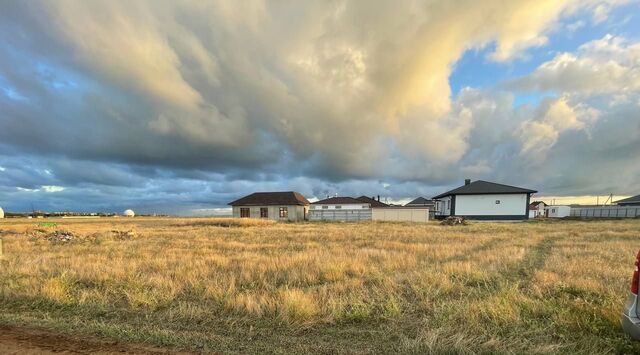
pixel 17 340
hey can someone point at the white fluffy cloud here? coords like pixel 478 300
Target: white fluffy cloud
pixel 605 66
pixel 555 116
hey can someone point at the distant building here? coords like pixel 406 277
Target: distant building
pixel 280 206
pixel 631 201
pixel 340 209
pixel 485 201
pixel 1 213
pixel 372 201
pixel 537 209
pixel 557 211
pixel 422 202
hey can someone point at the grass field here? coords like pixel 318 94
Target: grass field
pixel 255 287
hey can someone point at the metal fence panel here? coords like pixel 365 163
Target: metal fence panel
pixel 605 212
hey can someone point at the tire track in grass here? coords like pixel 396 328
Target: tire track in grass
pixel 520 273
pixel 534 260
pixel 467 254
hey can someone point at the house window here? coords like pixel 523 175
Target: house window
pixel 244 213
pixel 338 207
pixel 264 212
pixel 325 207
pixel 553 210
pixel 284 213
pixel 448 204
pixel 497 202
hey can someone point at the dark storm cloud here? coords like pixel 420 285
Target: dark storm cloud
pixel 173 107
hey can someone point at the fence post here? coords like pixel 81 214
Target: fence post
pixel 1 251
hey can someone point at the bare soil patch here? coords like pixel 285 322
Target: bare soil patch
pixel 18 340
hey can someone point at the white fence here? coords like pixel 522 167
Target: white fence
pixel 340 215
pixel 399 214
pixel 606 212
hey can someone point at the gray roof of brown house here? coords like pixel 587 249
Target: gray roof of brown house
pixel 633 199
pixel 338 201
pixel 481 187
pixel 271 199
pixel 421 201
pixel 373 202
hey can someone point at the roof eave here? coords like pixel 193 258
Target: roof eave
pixel 484 193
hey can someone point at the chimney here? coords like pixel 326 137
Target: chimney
pixel 467 181
pixel 378 198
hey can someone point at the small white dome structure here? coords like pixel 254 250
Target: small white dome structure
pixel 1 213
pixel 129 213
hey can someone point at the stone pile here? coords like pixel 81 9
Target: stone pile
pixel 60 236
pixel 65 237
pixel 453 221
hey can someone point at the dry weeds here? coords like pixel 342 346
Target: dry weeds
pixel 253 286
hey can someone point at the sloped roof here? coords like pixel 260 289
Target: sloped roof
pixel 535 204
pixel 271 198
pixel 338 201
pixel 481 187
pixel 371 201
pixel 633 199
pixel 420 201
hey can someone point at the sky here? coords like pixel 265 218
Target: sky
pixel 180 107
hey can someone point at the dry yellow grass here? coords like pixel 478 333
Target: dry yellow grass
pixel 257 286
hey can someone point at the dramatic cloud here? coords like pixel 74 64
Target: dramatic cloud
pixel 555 116
pixel 192 103
pixel 610 65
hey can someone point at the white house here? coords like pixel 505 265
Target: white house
pixel 557 211
pixel 340 209
pixel 537 209
pixel 485 200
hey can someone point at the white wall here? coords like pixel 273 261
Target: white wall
pixel 341 207
pixel 400 214
pixel 559 211
pixel 294 212
pixel 444 206
pixel 485 205
pixel 363 214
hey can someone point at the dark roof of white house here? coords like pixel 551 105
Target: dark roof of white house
pixel 271 198
pixel 420 201
pixel 633 199
pixel 481 187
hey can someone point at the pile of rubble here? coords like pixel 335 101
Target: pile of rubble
pixel 60 236
pixel 453 221
pixel 64 236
